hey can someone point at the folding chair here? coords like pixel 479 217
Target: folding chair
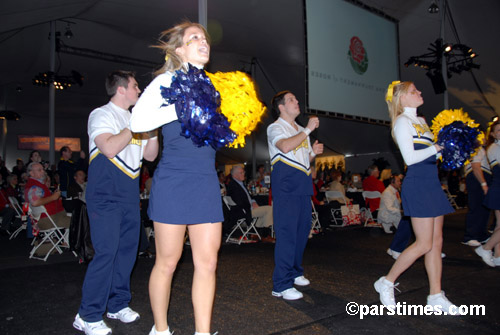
pixel 367 212
pixel 241 225
pixel 336 212
pixel 19 214
pixel 451 197
pixel 315 225
pixel 52 235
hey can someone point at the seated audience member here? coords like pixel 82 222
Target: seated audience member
pixel 355 184
pixel 222 183
pixel 8 215
pixel 372 183
pixel 322 209
pixel 336 185
pixel 12 188
pixel 259 175
pixel 66 169
pixel 3 171
pixel 19 169
pixel 37 193
pixel 389 213
pixel 34 157
pixel 76 188
pixel 245 206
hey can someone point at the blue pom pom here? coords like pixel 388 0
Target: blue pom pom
pixel 459 141
pixel 197 104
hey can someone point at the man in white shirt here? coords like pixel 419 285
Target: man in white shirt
pixel 291 154
pixel 112 197
pixel 389 213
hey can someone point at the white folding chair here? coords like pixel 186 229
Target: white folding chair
pixel 451 197
pixel 315 225
pixel 241 225
pixel 336 212
pixel 53 236
pixel 370 221
pixel 19 214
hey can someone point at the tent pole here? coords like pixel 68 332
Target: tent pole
pixel 444 65
pixel 202 13
pixel 52 93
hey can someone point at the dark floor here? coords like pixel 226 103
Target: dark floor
pixel 43 297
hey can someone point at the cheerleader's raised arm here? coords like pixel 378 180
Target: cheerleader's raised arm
pixel 150 111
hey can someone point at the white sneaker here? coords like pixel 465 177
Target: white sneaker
pixel 289 294
pixel 496 261
pixel 472 243
pixel 125 315
pixel 155 332
pixel 486 255
pixel 387 228
pixel 91 328
pixel 393 254
pixel 386 290
pixel 439 302
pixel 301 281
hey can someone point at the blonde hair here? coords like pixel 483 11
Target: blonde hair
pixel 490 140
pixel 394 104
pixel 172 39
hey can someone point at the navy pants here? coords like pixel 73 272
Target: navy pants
pixel 403 234
pixel 292 223
pixel 478 215
pixel 114 229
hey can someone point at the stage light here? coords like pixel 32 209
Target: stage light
pixel 447 47
pixel 68 34
pixel 60 82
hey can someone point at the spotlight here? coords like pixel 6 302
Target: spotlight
pixel 447 47
pixel 433 8
pixel 68 34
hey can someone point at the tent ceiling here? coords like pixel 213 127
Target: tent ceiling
pixel 269 30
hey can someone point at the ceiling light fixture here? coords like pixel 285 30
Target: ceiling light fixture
pixel 433 8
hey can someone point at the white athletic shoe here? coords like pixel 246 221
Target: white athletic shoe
pixel 440 302
pixel 386 290
pixel 91 328
pixel 125 315
pixel 301 281
pixel 289 294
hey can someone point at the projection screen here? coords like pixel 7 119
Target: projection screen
pixel 352 56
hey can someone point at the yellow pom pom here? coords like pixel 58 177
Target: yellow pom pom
pixel 239 103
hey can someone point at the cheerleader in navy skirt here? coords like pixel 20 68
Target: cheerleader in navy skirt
pixel 422 197
pixel 185 191
pixel 492 199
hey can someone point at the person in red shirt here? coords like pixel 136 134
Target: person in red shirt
pixel 372 183
pixel 37 194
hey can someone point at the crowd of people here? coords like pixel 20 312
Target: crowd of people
pixel 120 140
pixel 52 180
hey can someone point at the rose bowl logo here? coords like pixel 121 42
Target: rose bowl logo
pixel 358 56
